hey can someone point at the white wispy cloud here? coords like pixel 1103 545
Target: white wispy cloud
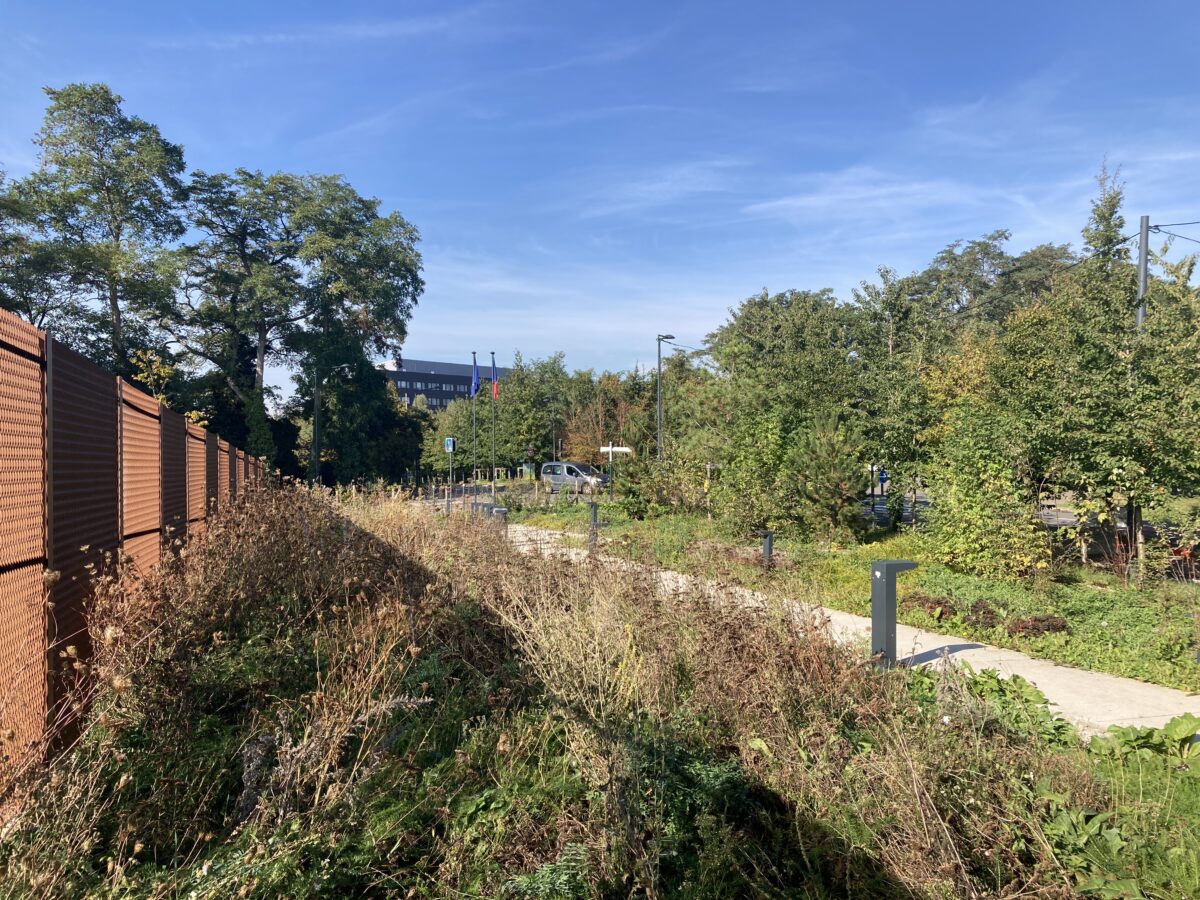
pixel 604 113
pixel 614 192
pixel 611 52
pixel 379 121
pixel 452 23
pixel 863 188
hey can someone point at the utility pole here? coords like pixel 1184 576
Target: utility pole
pixel 474 438
pixel 495 400
pixel 660 339
pixel 1143 268
pixel 1133 523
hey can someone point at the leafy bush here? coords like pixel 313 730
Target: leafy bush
pixel 983 519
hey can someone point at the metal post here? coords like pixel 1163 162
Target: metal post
pixel 593 525
pixel 316 435
pixel 474 434
pixel 768 546
pixel 883 607
pixel 495 398
pixel 448 501
pixel 1143 268
pixel 658 385
pixel 660 339
pixel 1133 528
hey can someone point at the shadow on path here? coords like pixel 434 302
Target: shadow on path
pixel 928 656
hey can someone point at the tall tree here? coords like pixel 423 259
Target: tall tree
pixel 35 280
pixel 1109 412
pixel 288 265
pixel 108 188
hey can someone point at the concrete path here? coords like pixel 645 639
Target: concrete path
pixel 1092 701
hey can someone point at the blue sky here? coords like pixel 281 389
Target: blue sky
pixel 586 175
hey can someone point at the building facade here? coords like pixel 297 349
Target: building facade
pixel 439 382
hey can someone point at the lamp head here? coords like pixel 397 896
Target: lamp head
pixel 666 337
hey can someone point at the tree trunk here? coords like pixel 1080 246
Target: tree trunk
pixel 260 360
pixel 1139 542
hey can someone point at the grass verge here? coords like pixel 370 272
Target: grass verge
pixel 1083 618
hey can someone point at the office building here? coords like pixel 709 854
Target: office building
pixel 440 382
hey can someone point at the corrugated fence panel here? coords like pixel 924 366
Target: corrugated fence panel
pixel 211 468
pixel 173 445
pixel 88 464
pixel 23 662
pixel 197 478
pixel 141 477
pixel 22 534
pixel 223 472
pixel 22 450
pixel 84 484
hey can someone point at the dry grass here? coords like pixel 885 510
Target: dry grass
pixel 937 794
pixel 350 696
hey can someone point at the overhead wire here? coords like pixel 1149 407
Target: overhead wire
pixel 1160 229
pixel 685 347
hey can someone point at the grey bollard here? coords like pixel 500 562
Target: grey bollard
pixel 768 547
pixel 593 525
pixel 501 513
pixel 883 607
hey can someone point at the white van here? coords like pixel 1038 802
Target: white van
pixel 572 476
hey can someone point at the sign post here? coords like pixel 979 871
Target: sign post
pixel 610 450
pixel 451 446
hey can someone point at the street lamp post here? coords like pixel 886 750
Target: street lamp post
pixel 660 339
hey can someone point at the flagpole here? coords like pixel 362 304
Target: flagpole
pixel 474 438
pixel 495 397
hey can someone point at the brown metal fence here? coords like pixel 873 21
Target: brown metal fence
pixel 23 663
pixel 89 465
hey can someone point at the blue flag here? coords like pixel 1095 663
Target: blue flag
pixel 495 383
pixel 474 377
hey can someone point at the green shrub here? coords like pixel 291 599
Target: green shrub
pixel 984 514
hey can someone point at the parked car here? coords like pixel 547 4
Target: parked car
pixel 574 477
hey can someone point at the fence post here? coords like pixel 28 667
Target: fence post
pixel 883 607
